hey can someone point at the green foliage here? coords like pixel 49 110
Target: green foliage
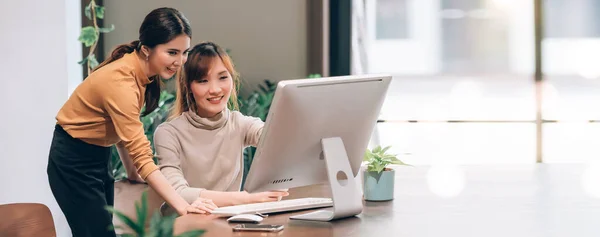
pixel 99 12
pixel 258 103
pixel 90 34
pixel 159 226
pixel 151 122
pixel 378 158
pixel 159 115
pixel 106 30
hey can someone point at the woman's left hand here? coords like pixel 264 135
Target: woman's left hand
pixel 204 204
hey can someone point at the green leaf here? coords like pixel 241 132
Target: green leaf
pixel 155 220
pixel 385 149
pixel 192 233
pixel 263 89
pixel 398 162
pixel 377 149
pixel 88 36
pixel 367 156
pixel 166 226
pixel 99 12
pixel 371 157
pixel 142 209
pixel 166 96
pixel 88 11
pixel 139 230
pixel 83 61
pixel 378 167
pixel 155 224
pixel 106 30
pixel 93 61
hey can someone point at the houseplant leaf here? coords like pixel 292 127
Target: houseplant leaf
pixel 377 149
pixel 88 36
pixel 99 11
pixel 88 10
pixel 92 60
pixel 399 162
pixel 142 210
pixel 384 150
pixel 368 156
pixel 139 230
pixel 84 60
pixel 155 224
pixel 167 226
pixel 106 30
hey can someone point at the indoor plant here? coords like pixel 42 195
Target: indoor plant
pixel 378 179
pixel 160 226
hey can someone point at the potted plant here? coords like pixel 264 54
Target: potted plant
pixel 378 179
pixel 160 226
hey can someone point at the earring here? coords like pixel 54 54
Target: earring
pixel 146 57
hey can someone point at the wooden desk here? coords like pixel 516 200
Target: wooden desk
pixel 219 227
pixel 497 200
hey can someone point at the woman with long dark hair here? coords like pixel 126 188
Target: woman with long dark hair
pixel 105 110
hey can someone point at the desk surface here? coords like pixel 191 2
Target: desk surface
pixel 500 200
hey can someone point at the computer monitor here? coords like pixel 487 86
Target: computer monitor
pixel 317 131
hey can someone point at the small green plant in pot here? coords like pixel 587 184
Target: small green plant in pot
pixel 378 179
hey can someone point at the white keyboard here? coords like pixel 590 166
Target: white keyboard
pixel 272 207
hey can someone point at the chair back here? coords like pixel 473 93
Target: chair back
pixel 26 219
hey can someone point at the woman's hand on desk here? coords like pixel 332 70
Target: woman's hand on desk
pixel 271 196
pixel 202 206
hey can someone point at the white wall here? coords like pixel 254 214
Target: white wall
pixel 37 64
pixel 267 38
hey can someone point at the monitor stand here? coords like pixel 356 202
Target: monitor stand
pixel 346 196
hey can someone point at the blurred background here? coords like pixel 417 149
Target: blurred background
pixel 475 82
pixel 465 89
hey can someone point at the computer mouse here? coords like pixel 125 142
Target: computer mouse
pixel 248 218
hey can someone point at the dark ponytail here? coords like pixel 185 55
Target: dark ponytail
pixel 159 27
pixel 152 95
pixel 119 52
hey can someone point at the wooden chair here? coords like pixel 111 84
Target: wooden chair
pixel 26 219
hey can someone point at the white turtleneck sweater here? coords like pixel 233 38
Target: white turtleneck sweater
pixel 196 153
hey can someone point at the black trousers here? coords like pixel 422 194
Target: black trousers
pixel 82 184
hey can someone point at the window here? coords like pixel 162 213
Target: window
pixel 392 19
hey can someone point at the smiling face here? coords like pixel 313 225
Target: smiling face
pixel 208 83
pixel 212 91
pixel 166 59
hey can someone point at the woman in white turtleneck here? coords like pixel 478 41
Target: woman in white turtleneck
pixel 200 149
